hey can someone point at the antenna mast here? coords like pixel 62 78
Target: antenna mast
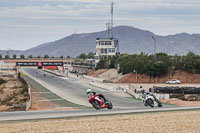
pixel 112 4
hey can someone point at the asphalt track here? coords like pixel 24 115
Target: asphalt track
pixel 32 115
pixel 72 90
pixel 76 93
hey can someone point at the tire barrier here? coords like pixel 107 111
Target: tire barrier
pixel 177 90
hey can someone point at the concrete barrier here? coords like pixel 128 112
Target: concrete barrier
pixel 132 93
pixel 137 94
pixel 93 78
pixel 103 86
pixel 52 72
pixel 28 104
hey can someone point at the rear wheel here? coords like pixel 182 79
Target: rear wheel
pixel 96 105
pixel 159 104
pixel 150 102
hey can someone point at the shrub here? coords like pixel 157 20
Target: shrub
pixel 2 81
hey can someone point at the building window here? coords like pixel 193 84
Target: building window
pixel 108 43
pixel 109 50
pixel 102 43
pixel 102 51
pixel 106 51
pixel 113 50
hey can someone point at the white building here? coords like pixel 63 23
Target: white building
pixel 106 47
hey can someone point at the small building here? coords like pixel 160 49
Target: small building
pixel 106 47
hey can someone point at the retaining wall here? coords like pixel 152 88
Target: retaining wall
pixel 103 86
pixel 93 78
pixel 27 104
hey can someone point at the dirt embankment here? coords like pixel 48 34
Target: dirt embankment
pixel 12 92
pixel 165 122
pixel 184 77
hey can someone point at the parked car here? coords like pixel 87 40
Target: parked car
pixel 173 81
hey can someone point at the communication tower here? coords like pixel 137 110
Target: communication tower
pixel 107 46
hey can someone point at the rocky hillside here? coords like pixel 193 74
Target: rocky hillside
pixel 132 40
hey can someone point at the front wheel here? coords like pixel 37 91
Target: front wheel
pixel 110 106
pixel 96 105
pixel 159 104
pixel 150 102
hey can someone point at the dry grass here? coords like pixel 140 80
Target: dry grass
pixel 166 122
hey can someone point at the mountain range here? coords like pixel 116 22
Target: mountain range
pixel 132 40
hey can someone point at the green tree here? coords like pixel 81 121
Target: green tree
pixel 0 56
pixel 61 57
pixel 7 57
pixel 38 57
pixel 151 68
pixel 68 57
pixel 46 56
pixel 14 56
pixel 113 62
pixel 22 56
pixel 30 56
pixel 90 55
pixel 191 63
pixel 82 56
pixel 102 64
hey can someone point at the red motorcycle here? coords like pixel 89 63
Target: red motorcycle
pixel 99 102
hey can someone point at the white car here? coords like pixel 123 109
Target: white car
pixel 173 81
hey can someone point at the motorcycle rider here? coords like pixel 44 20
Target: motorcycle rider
pixel 90 93
pixel 144 93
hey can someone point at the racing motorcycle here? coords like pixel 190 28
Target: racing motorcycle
pixel 99 102
pixel 150 99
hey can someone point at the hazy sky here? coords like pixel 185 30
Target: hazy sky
pixel 28 23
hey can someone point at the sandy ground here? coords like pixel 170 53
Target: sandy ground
pixel 181 102
pixel 165 122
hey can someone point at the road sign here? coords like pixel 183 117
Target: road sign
pixel 26 63
pixel 52 63
pixel 39 64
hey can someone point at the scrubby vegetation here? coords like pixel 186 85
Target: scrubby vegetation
pixel 13 94
pixel 152 65
pixel 2 81
pixel 84 56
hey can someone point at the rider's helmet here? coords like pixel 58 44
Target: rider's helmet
pixel 142 91
pixel 88 91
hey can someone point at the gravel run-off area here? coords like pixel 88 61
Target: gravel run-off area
pixel 163 122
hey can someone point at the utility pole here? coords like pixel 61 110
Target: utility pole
pixel 8 53
pixel 112 4
pixel 155 41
